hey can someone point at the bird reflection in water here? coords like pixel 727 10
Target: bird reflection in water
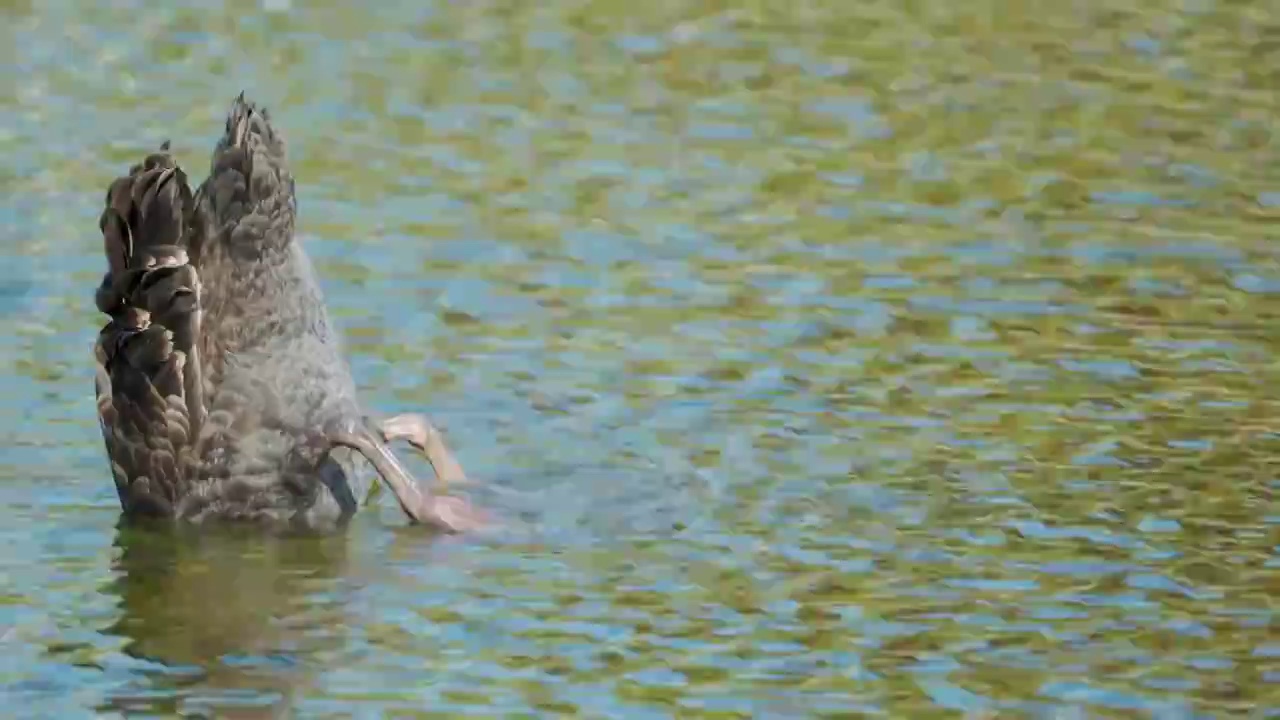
pixel 230 621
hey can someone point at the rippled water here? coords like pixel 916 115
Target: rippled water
pixel 822 358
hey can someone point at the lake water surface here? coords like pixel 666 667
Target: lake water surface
pixel 822 358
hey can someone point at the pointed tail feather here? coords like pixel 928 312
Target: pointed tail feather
pixel 250 191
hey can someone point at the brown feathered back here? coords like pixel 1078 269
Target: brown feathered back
pixel 220 364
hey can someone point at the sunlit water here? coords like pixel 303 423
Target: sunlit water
pixel 821 358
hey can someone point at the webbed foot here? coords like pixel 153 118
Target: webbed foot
pixel 441 512
pixel 426 439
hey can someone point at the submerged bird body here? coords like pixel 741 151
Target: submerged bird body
pixel 222 388
pixel 281 378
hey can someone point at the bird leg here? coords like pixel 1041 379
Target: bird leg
pixel 449 514
pixel 426 439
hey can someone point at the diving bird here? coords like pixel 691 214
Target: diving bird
pixel 222 390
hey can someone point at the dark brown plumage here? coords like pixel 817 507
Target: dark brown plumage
pixel 222 390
